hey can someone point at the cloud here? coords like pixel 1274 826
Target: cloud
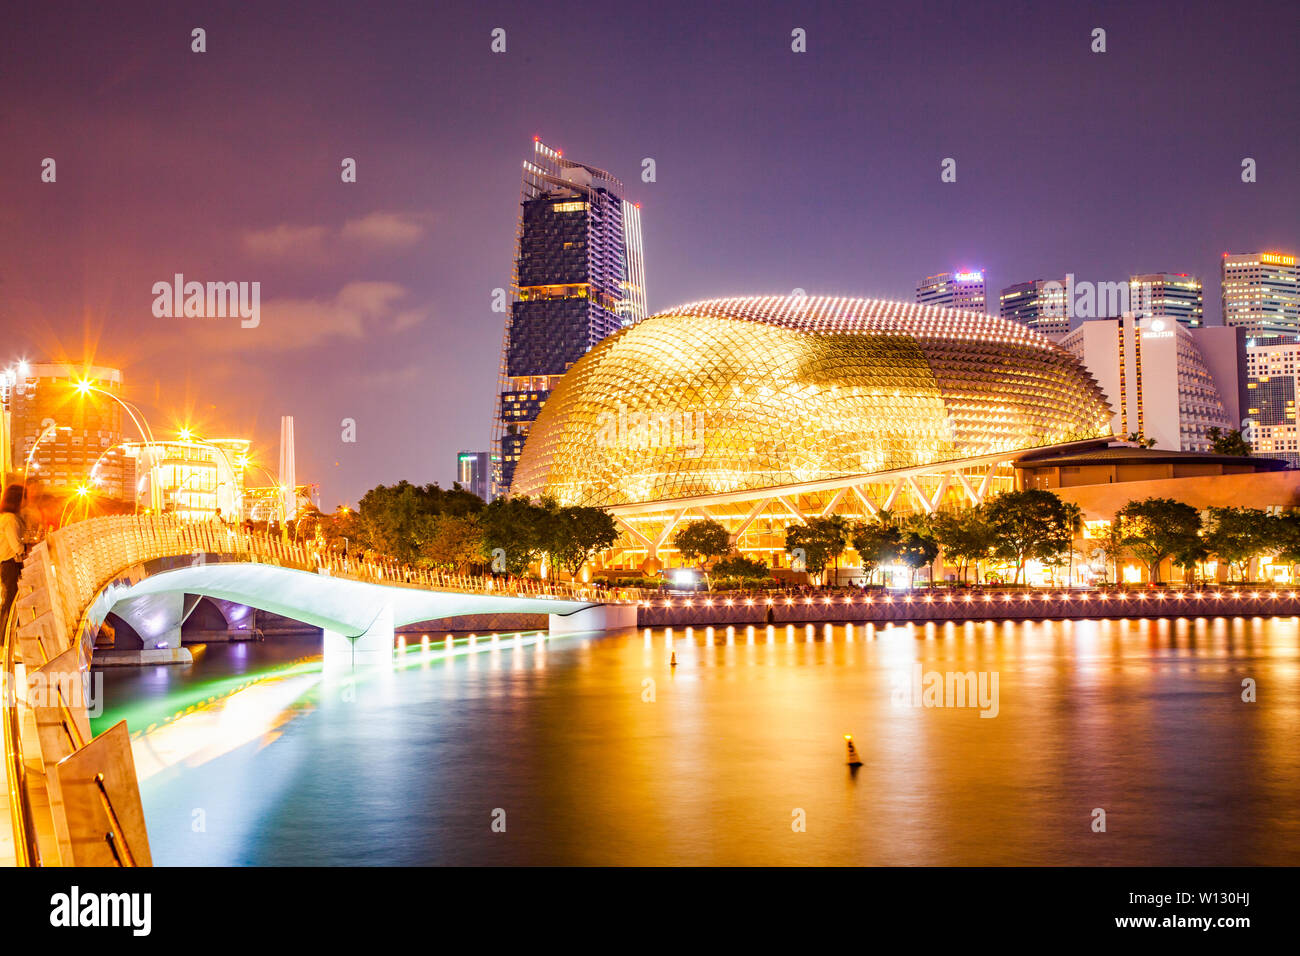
pixel 358 312
pixel 380 230
pixel 384 228
pixel 285 241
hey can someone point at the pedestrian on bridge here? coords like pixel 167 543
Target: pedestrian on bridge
pixel 11 546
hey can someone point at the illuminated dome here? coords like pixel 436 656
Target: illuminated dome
pixel 731 395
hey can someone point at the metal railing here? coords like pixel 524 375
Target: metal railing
pixel 26 848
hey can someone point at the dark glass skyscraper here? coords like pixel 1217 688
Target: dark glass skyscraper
pixel 579 276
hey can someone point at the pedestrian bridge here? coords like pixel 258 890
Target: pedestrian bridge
pixel 73 798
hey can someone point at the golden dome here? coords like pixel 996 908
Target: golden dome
pixel 739 394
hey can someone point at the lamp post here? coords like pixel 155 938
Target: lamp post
pixel 85 387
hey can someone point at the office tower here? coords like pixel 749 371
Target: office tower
pixel 579 276
pixel 63 438
pixel 474 472
pixel 1273 372
pixel 953 290
pixel 1261 293
pixel 1173 294
pixel 288 469
pixel 1039 305
pixel 1158 380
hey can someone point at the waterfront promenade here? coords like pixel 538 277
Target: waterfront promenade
pixel 964 605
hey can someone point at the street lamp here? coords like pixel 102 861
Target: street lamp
pixel 82 494
pixel 84 387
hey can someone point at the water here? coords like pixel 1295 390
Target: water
pixel 1143 719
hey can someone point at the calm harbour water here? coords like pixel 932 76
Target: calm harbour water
pixel 1143 719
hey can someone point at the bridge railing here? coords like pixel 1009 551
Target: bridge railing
pixel 89 554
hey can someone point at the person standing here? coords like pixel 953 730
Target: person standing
pixel 11 546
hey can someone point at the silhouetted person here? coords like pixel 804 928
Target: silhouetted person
pixel 11 546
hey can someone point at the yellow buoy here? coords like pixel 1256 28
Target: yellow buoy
pixel 854 759
pixel 673 661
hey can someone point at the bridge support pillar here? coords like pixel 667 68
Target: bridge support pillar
pixel 373 648
pixel 602 617
pixel 157 618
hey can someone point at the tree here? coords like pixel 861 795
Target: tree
pixel 397 520
pixel 700 540
pixel 821 540
pixel 918 550
pixel 575 534
pixel 454 542
pixel 1231 442
pixel 742 568
pixel 1028 525
pixel 1113 542
pixel 877 542
pixel 511 534
pixel 1141 442
pixel 1157 528
pixel 1237 535
pixel 965 537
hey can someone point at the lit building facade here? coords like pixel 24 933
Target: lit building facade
pixel 474 472
pixel 1273 373
pixel 953 290
pixel 1261 293
pixel 194 478
pixel 579 277
pixel 762 411
pixel 1157 379
pixel 1040 305
pixel 60 436
pixel 1173 295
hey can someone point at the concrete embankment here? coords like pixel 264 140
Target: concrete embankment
pixel 967 606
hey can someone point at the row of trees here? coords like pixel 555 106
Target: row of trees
pixel 1154 530
pixel 1018 527
pixel 453 530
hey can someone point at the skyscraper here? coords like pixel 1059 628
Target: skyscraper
pixel 474 472
pixel 953 290
pixel 1172 294
pixel 288 469
pixel 1261 293
pixel 579 276
pixel 1040 305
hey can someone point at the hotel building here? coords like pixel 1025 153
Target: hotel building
pixel 1261 293
pixel 1161 382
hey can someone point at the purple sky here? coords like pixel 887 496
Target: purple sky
pixel 775 170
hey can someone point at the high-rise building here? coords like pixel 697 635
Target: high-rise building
pixel 1039 305
pixel 474 472
pixel 61 436
pixel 579 276
pixel 1273 374
pixel 1173 294
pixel 1157 378
pixel 953 290
pixel 1261 293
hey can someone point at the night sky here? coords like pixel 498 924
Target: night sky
pixel 775 170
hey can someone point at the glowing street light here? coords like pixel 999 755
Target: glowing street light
pixel 84 387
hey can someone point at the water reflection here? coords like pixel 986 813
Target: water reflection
pixel 1144 719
